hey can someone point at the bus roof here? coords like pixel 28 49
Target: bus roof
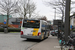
pixel 33 19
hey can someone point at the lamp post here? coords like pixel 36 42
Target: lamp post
pixel 54 17
pixel 54 13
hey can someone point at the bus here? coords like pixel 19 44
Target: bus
pixel 34 29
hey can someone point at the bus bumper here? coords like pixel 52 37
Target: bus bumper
pixel 31 37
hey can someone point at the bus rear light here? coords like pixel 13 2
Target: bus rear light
pixel 39 33
pixel 53 32
pixel 69 49
pixel 21 32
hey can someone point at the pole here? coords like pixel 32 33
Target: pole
pixel 63 10
pixel 55 14
pixel 67 19
pixel 54 18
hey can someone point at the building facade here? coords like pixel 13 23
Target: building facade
pixel 3 17
pixel 72 21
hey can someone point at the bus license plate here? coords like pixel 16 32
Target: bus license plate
pixel 30 34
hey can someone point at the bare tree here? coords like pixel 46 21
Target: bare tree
pixel 23 7
pixel 8 7
pixel 31 8
pixel 60 6
pixel 36 15
pixel 44 18
pixel 28 7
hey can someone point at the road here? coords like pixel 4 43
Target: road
pixel 12 41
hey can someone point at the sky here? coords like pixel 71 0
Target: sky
pixel 45 10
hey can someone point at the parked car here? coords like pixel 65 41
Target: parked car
pixel 73 27
pixel 51 27
pixel 54 32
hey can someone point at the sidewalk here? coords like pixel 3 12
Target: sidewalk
pixel 51 43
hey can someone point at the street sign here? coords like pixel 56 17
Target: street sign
pixel 57 22
pixel 4 22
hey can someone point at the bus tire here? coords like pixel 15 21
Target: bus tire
pixel 44 35
pixel 47 36
pixel 42 38
pixel 28 39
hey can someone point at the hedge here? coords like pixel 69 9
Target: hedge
pixel 11 30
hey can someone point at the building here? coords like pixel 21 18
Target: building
pixel 3 17
pixel 72 20
pixel 13 22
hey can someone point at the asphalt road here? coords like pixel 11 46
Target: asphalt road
pixel 12 41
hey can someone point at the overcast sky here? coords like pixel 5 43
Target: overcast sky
pixel 45 10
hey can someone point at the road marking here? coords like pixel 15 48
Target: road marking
pixel 57 46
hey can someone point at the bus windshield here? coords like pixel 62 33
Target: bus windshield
pixel 31 23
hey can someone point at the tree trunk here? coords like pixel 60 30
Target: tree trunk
pixel 62 17
pixel 29 15
pixel 7 18
pixel 24 13
pixel 7 22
